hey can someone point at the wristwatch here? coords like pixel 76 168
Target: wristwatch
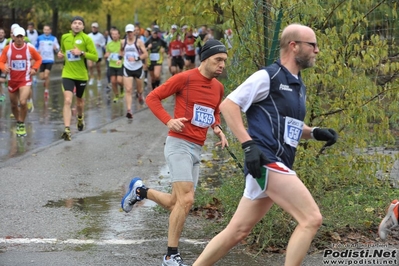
pixel 82 53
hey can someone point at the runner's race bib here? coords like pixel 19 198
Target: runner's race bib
pixel 72 57
pixel 175 52
pixel 190 47
pixel 203 116
pixel 292 131
pixel 114 56
pixel 18 65
pixel 47 54
pixel 154 56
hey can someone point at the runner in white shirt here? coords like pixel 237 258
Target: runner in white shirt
pixel 46 45
pixel 99 42
pixel 32 35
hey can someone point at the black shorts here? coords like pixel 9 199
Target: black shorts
pixel 45 66
pixel 70 84
pixel 3 75
pixel 115 71
pixel 138 73
pixel 178 61
pixel 190 58
pixel 152 64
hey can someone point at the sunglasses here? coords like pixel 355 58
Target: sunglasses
pixel 313 44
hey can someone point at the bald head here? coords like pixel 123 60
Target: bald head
pixel 296 32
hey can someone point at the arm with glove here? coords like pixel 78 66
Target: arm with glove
pixel 321 134
pixel 254 158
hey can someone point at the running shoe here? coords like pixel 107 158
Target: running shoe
pixel 91 81
pixel 2 98
pixel 80 124
pixel 116 99
pixel 30 106
pixel 390 221
pixel 67 134
pixel 21 130
pixel 175 260
pixel 45 94
pixel 131 196
pixel 129 115
pixel 141 98
pixel 99 83
pixel 121 95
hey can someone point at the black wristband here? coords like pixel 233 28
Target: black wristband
pixel 137 58
pixel 120 57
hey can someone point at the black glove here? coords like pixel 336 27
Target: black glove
pixel 254 158
pixel 325 134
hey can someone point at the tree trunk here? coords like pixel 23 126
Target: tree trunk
pixel 218 32
pixel 55 23
pixel 108 21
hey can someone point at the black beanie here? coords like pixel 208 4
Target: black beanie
pixel 78 18
pixel 212 47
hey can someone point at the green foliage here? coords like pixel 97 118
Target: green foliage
pixel 353 88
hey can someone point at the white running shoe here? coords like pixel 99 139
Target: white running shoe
pixel 175 260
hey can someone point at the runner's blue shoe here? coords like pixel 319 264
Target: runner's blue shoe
pixel 131 196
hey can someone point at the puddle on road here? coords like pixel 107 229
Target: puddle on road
pixel 102 220
pixel 96 210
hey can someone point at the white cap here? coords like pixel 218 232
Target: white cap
pixel 185 27
pixel 129 27
pixel 174 27
pixel 94 24
pixel 13 26
pixel 18 31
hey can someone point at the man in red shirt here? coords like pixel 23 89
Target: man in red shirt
pixel 175 53
pixel 16 61
pixel 190 43
pixel 198 96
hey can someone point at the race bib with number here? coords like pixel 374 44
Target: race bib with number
pixel 114 56
pixel 190 47
pixel 175 52
pixel 18 65
pixel 72 57
pixel 129 55
pixel 203 116
pixel 292 131
pixel 154 56
pixel 47 55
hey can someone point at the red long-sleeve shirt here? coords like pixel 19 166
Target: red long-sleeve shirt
pixel 196 97
pixel 19 62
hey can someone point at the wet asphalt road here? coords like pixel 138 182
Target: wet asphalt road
pixel 60 201
pixel 45 123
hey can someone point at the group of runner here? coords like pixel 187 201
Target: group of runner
pixel 128 61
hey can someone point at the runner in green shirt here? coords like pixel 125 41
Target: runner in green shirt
pixel 76 47
pixel 114 56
